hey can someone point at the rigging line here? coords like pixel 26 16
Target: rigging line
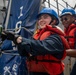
pixel 16 29
pixel 8 14
pixel 59 3
pixel 8 52
pixel 67 3
pixel 16 54
pixel 53 6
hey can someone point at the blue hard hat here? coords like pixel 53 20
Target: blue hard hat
pixel 49 11
pixel 75 14
pixel 66 11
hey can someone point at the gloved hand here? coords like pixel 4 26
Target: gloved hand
pixel 11 36
pixel 3 36
pixel 22 50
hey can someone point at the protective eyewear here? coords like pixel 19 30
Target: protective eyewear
pixel 64 19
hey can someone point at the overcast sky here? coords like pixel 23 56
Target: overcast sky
pixel 71 2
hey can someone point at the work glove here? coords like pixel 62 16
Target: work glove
pixel 11 36
pixel 22 50
pixel 3 36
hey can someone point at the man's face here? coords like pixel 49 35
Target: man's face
pixel 67 20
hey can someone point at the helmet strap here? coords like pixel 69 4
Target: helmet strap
pixel 52 21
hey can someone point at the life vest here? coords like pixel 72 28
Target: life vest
pixel 71 36
pixel 48 63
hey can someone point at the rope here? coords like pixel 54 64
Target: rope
pixel 8 52
pixel 16 29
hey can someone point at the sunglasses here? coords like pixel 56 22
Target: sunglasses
pixel 64 19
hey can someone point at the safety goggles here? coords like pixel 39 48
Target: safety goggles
pixel 64 19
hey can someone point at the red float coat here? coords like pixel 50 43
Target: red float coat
pixel 71 35
pixel 48 63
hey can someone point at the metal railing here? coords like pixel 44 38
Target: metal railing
pixel 57 5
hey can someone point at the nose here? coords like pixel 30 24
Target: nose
pixel 41 18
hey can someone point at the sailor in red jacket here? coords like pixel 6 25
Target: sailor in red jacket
pixel 47 47
pixel 68 20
